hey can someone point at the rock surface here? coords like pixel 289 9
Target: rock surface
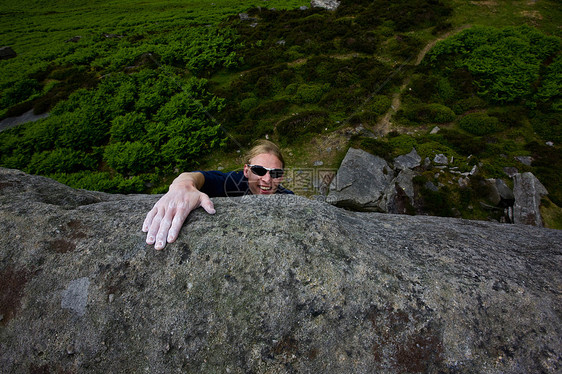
pixel 528 191
pixel 410 161
pixel 269 285
pixel 361 182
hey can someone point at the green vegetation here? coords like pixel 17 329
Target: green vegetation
pixel 138 91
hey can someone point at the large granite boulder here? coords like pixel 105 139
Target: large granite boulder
pixel 528 191
pixel 365 182
pixel 269 285
pixel 361 182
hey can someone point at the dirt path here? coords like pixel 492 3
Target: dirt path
pixel 384 125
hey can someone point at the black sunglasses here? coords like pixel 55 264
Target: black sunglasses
pixel 261 171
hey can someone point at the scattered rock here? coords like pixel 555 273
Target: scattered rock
pixel 441 159
pixel 510 171
pixel 525 160
pixel 410 161
pixel 7 53
pixel 430 186
pixel 435 130
pixel 74 39
pixel 326 4
pixel 463 182
pixel 112 36
pixel 245 17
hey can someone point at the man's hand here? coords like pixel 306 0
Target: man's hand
pixel 164 221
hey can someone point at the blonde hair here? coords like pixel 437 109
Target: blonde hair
pixel 264 146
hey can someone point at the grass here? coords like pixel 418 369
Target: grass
pixel 545 15
pixel 39 32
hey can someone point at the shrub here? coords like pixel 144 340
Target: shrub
pixel 509 116
pixel 379 104
pixel 311 93
pixel 430 148
pixel 268 108
pixel 377 147
pixel 505 62
pixel 129 127
pixel 548 126
pixel 130 158
pixel 429 113
pixel 292 128
pixel 18 92
pixel 469 103
pixel 248 104
pixel 479 124
pixel 437 203
pixel 463 143
pixel 551 84
pixel 101 181
pixel 402 144
pixel 61 160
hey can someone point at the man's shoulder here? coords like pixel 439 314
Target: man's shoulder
pixel 221 184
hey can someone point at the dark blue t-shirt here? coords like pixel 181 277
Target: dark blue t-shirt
pixel 234 183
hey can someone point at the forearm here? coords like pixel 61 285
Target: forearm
pixel 189 181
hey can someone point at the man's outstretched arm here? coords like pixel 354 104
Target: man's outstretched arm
pixel 163 223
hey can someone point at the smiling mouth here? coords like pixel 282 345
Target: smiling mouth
pixel 264 188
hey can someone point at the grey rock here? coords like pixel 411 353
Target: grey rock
pixel 441 159
pixel 398 197
pixel 463 182
pixel 525 160
pixel 500 193
pixel 7 52
pixel 410 161
pixel 269 285
pixel 510 171
pixel 431 186
pixel 360 181
pixel 435 130
pixel 528 191
pixel 504 191
pixel 326 4
pixel 74 39
pixel 245 17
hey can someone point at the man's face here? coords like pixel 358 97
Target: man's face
pixel 264 185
